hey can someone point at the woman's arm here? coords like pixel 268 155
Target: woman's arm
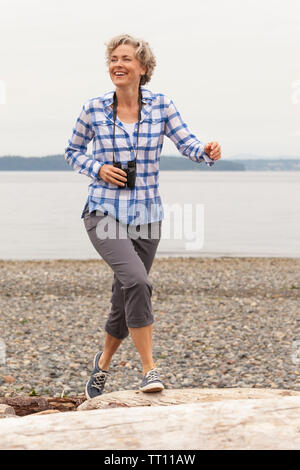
pixel 186 142
pixel 77 147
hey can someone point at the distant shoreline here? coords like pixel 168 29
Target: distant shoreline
pixel 167 163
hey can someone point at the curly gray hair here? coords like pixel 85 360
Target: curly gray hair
pixel 143 53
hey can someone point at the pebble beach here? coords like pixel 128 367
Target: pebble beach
pixel 219 322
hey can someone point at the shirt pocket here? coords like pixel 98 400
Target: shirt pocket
pixel 104 134
pixel 152 131
pixel 103 129
pixel 156 124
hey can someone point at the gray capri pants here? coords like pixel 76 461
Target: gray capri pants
pixel 130 259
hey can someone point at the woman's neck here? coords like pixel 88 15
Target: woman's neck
pixel 127 97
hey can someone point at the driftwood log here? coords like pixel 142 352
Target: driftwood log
pixel 268 423
pixel 24 405
pixel 131 398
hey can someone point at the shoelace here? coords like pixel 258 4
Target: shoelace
pixel 99 380
pixel 153 375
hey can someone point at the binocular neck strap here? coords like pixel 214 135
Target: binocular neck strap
pixel 115 106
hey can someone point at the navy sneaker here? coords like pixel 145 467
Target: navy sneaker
pixel 95 385
pixel 152 382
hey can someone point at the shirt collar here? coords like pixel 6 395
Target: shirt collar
pixel 107 98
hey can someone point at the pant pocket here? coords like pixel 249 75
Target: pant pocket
pixel 91 220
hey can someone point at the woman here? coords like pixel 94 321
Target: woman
pixel 128 125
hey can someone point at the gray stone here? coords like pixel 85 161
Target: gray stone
pixel 7 411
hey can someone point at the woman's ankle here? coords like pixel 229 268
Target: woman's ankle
pixel 147 367
pixel 103 363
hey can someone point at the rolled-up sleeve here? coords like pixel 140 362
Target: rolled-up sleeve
pixel 75 152
pixel 186 142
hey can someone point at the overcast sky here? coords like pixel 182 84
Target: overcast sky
pixel 231 67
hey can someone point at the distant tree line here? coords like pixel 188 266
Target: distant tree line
pixel 58 163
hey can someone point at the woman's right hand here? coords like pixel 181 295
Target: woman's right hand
pixel 112 174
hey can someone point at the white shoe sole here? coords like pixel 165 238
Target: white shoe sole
pixel 86 392
pixel 155 387
pixel 94 361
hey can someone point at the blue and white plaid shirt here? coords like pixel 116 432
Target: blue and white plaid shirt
pixel 159 117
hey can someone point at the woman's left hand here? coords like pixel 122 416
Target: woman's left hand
pixel 213 150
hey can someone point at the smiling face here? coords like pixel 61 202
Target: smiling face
pixel 124 68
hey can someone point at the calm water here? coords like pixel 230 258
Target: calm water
pixel 245 214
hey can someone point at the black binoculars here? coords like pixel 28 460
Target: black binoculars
pixel 130 173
